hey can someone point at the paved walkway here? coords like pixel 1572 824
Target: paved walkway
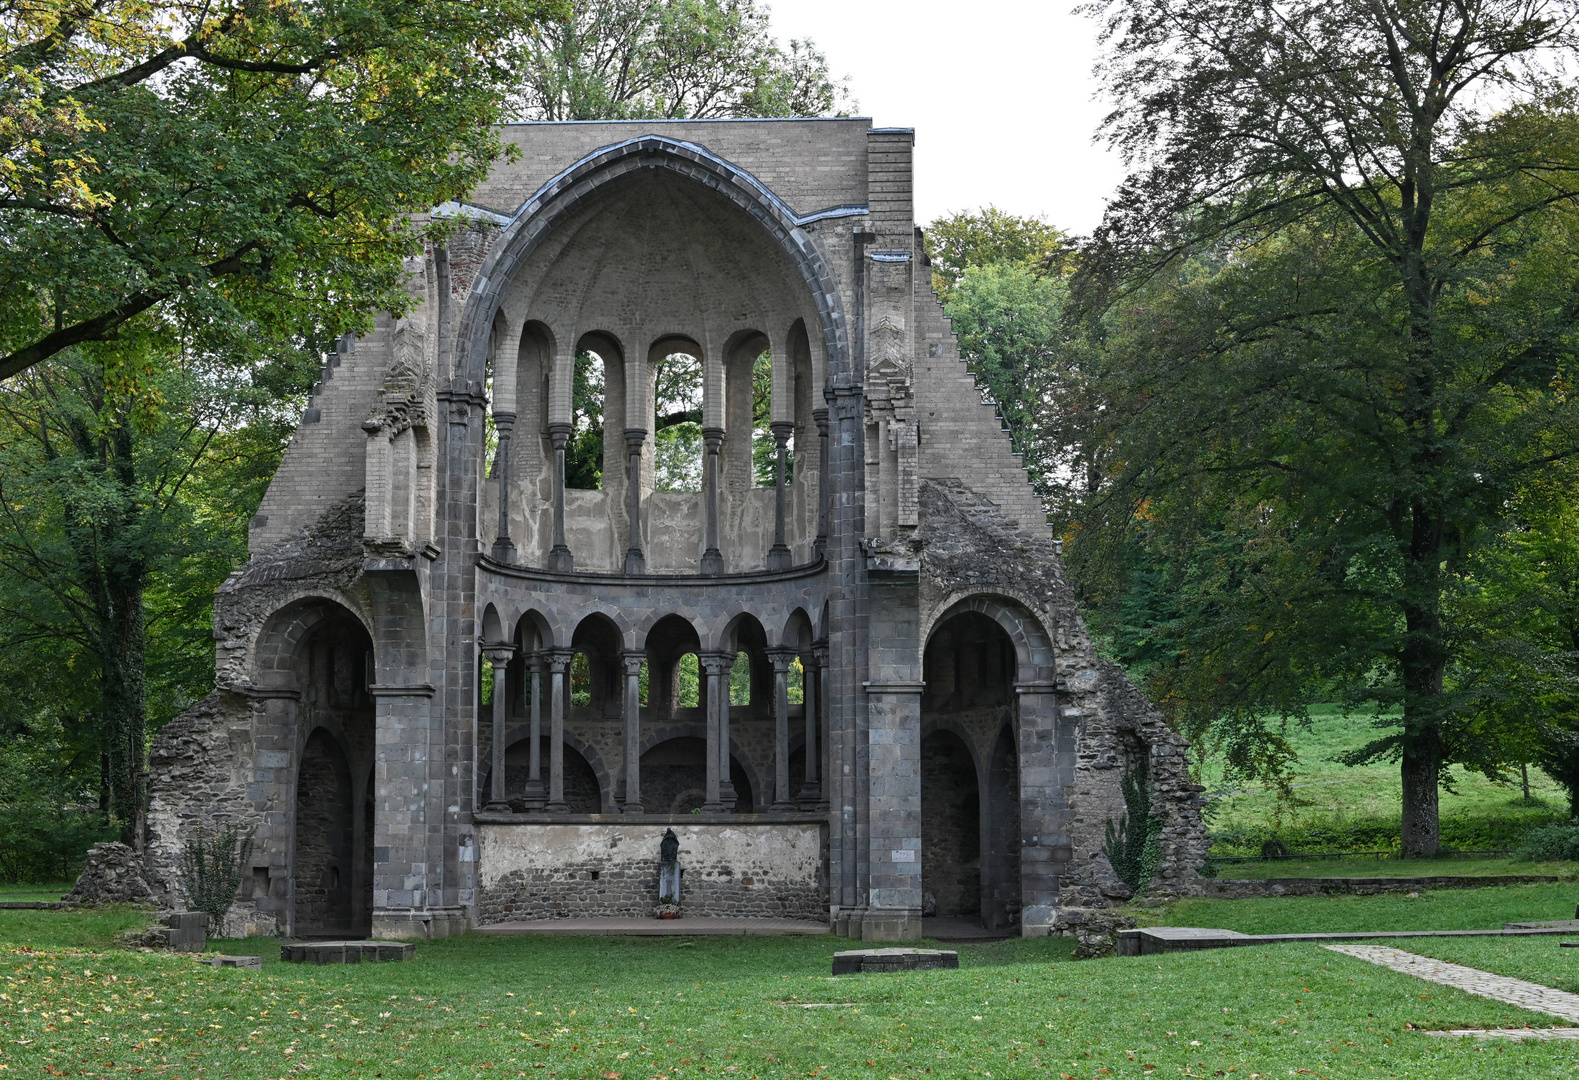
pixel 687 927
pixel 1526 995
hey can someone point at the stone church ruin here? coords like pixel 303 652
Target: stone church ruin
pixel 838 656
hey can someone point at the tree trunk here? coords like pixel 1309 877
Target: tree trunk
pixel 1422 765
pixel 123 697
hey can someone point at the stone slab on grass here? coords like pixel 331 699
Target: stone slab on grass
pixel 852 961
pixel 245 963
pixel 346 952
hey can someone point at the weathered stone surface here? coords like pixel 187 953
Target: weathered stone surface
pixel 1096 930
pixel 853 961
pixel 903 573
pixel 112 873
pixel 244 963
pixel 347 952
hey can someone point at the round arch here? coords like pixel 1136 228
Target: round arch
pixel 1032 644
pixel 541 213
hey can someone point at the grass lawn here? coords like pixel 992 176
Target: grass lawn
pixel 732 1007
pixel 48 890
pixel 1451 867
pixel 1444 909
pixel 1332 796
pixel 1538 959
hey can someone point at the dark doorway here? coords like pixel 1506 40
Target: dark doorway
pixel 950 827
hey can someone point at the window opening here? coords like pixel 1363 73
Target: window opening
pixel 740 680
pixel 641 683
pixel 687 683
pixel 677 425
pixel 797 683
pixel 763 453
pixel 580 680
pixel 584 451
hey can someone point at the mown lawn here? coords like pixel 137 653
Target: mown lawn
pixel 1460 866
pixel 733 1007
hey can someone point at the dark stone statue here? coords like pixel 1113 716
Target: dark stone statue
pixel 669 850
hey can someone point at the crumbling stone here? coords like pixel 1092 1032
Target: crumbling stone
pixel 1095 930
pixel 112 873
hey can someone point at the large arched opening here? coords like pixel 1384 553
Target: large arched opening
pixel 970 781
pixel 332 846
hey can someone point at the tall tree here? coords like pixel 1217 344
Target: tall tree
pixel 123 504
pixel 992 237
pixel 1351 150
pixel 672 60
pixel 220 160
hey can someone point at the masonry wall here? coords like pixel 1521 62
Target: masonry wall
pixel 762 868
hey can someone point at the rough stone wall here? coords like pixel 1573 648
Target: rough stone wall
pixel 554 871
pixel 950 829
pixel 972 547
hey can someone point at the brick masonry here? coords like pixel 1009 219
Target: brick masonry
pixel 390 534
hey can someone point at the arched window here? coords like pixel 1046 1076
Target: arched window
pixel 677 423
pixel 740 680
pixel 687 683
pixel 764 452
pixel 584 452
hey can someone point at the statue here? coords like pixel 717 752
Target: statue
pixel 669 876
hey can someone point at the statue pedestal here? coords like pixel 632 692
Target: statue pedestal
pixel 669 882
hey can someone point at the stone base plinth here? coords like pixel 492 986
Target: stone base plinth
pixel 877 960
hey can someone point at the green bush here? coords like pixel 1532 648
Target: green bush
pixel 1131 843
pixel 211 870
pixel 1501 833
pixel 1550 842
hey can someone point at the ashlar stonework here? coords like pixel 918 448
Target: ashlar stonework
pixel 856 691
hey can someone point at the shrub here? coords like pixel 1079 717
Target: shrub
pixel 211 870
pixel 1131 843
pixel 1550 842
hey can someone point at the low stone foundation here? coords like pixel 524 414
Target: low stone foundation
pixel 1249 888
pixel 750 865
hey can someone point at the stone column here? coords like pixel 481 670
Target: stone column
pixel 633 661
pixel 503 547
pixel 713 802
pixel 716 668
pixel 559 557
pixel 559 674
pixel 820 545
pixel 811 789
pixel 635 561
pixel 820 657
pixel 779 557
pixel 712 558
pixel 536 796
pixel 781 659
pixel 499 656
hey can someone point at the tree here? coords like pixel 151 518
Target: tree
pixel 993 237
pixel 123 504
pixel 672 59
pixel 220 162
pixel 1350 288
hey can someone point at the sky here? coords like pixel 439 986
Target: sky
pixel 1000 93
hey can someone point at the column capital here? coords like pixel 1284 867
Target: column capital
pixel 713 436
pixel 633 660
pixel 634 438
pixel 503 419
pixel 498 653
pixel 820 418
pixel 560 434
pixel 782 430
pixel 559 659
pixel 715 663
pixel 782 656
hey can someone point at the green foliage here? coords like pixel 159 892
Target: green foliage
pixel 740 680
pixel 672 59
pixel 212 867
pixel 228 164
pixel 584 451
pixel 992 237
pixel 1550 842
pixel 1131 844
pixel 677 427
pixel 687 683
pixel 49 813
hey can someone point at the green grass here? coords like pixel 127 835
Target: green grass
pixel 732 1007
pixel 37 890
pixel 1343 808
pixel 1444 909
pixel 1450 867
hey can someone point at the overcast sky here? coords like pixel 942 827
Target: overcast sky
pixel 999 92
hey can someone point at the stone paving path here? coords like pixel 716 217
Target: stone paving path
pixel 1526 995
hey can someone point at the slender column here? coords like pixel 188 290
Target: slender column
pixel 716 666
pixel 781 660
pixel 635 561
pixel 779 554
pixel 633 661
pixel 713 802
pixel 503 547
pixel 712 558
pixel 820 545
pixel 499 656
pixel 811 790
pixel 559 669
pixel 559 558
pixel 536 796
pixel 820 659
